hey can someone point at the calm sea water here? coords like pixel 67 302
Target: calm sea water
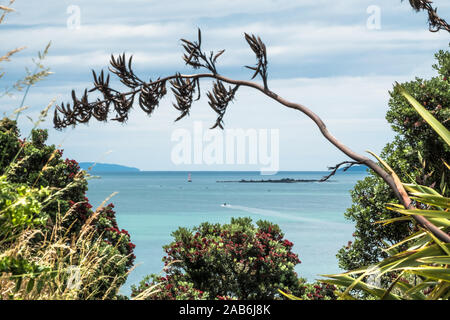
pixel 151 205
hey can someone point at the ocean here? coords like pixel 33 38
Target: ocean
pixel 151 205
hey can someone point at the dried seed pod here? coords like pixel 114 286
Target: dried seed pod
pixel 183 90
pixel 198 59
pixel 124 71
pixel 150 96
pixel 259 48
pixel 122 106
pixel 149 93
pixel 219 99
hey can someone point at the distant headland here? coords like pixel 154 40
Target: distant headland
pixel 106 167
pixel 359 168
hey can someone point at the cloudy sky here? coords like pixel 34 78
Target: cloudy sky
pixel 327 55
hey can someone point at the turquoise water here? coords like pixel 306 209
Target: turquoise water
pixel 151 205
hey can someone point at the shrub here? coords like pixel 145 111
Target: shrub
pixel 32 164
pixel 56 265
pixel 415 155
pixel 318 291
pixel 47 225
pixel 236 260
pixel 20 206
pixel 420 271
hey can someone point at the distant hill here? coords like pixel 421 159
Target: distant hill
pixel 106 167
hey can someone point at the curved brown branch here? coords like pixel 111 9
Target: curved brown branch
pixel 396 186
pixel 184 86
pixel 435 22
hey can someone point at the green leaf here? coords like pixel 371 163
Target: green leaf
pixel 436 259
pixel 30 285
pixel 427 116
pixel 414 291
pixel 288 295
pixel 18 284
pixel 408 259
pixel 384 163
pixel 443 184
pixel 420 189
pixel 355 283
pixel 439 242
pixel 40 286
pixel 409 291
pixel 438 222
pixel 345 281
pixel 446 164
pixel 437 273
pixel 425 213
pixel 434 200
pixel 389 221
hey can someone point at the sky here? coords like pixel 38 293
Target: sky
pixel 338 58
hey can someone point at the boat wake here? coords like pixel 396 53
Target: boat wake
pixel 272 213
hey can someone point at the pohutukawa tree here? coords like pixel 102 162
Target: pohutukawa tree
pixel 186 89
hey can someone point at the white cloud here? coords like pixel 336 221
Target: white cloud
pixel 132 10
pixel 325 36
pixel 157 45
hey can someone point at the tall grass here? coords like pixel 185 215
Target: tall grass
pixel 48 260
pixel 69 264
pixel 65 264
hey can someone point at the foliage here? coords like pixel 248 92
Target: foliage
pixel 61 266
pixel 20 206
pixel 313 291
pixel 170 288
pixel 33 163
pixel 37 258
pixel 236 260
pixel 46 222
pixel 421 270
pixel 418 272
pixel 434 95
pixel 318 291
pixel 415 155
